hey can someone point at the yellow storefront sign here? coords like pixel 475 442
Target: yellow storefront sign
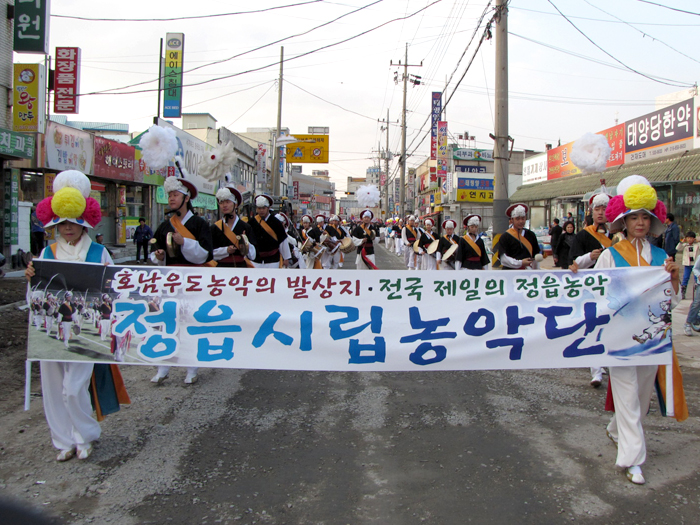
pixel 309 149
pixel 474 195
pixel 28 98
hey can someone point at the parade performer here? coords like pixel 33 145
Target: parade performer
pixel 337 234
pixel 588 244
pixel 636 211
pixel 105 310
pixel 182 240
pixel 64 385
pixel 471 254
pixel 49 310
pixel 66 312
pixel 409 235
pixel 397 229
pixel 270 235
pixel 363 238
pixel 446 243
pixel 232 238
pixel 518 245
pixel 297 259
pixel 311 248
pixel 428 261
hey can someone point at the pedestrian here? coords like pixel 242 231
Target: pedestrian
pixel 518 245
pixel 689 250
pixel 672 235
pixel 555 232
pixel 64 384
pixel 182 240
pixel 562 250
pixel 635 211
pixel 692 317
pixel 142 235
pixel 38 240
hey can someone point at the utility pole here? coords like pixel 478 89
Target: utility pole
pixel 501 152
pixel 387 156
pixel 276 156
pixel 403 131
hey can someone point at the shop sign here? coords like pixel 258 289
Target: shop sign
pixel 66 80
pixel 16 144
pixel 31 33
pixel 442 149
pixel 174 50
pixel 11 210
pixel 535 169
pixel 114 160
pixel 659 133
pixel 473 154
pixel 471 169
pixel 68 148
pixel 29 98
pixel 474 190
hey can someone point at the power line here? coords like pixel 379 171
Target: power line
pixel 671 83
pixel 604 21
pixel 331 103
pixel 183 17
pixel 669 7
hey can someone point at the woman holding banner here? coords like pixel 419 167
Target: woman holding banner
pixel 65 385
pixel 637 212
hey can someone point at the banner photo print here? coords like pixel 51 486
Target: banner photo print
pixel 349 320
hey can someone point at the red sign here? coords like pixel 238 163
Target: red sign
pixel 66 80
pixel 114 160
pixel 295 186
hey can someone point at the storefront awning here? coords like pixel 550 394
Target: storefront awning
pixel 683 167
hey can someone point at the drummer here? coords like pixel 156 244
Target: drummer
pixel 427 253
pixel 448 244
pixel 471 253
pixel 409 234
pixel 308 243
pixel 336 234
pixel 297 259
pixel 233 239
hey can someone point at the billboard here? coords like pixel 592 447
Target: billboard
pixel 435 112
pixel 559 159
pixel 442 158
pixel 535 169
pixel 311 149
pixel 473 154
pixel 31 32
pixel 114 160
pixel 16 144
pixel 28 98
pixel 659 133
pixel 67 80
pixel 67 148
pixel 474 190
pixel 174 50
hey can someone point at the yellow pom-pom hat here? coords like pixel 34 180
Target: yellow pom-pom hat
pixel 634 195
pixel 71 202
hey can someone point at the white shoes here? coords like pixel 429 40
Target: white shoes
pixel 687 330
pixel 65 455
pixel 158 378
pixel 634 474
pixel 84 451
pixel 190 379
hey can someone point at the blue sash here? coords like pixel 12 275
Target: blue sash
pixel 94 254
pixel 658 256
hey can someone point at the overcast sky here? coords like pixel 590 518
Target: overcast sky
pixel 561 85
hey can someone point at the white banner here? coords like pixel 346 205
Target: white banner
pixel 353 320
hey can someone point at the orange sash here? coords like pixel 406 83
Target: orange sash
pixel 176 223
pixel 265 226
pixel 601 238
pixel 475 246
pixel 232 237
pixel 513 233
pixel 629 253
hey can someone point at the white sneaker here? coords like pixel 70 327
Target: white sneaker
pixel 634 474
pixel 687 330
pixel 158 378
pixel 191 379
pixel 84 451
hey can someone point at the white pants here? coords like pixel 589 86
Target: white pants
pixel 360 264
pixel 66 329
pixel 267 265
pixel 67 404
pixel 428 262
pixel 49 324
pixel 104 329
pixel 410 258
pixel 399 245
pixel 632 387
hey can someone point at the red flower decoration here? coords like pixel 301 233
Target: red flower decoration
pixel 615 207
pixel 660 211
pixel 44 212
pixel 92 213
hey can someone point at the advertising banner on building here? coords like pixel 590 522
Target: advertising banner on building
pixel 16 144
pixel 470 169
pixel 114 160
pixel 473 154
pixel 67 80
pixel 474 190
pixel 11 211
pixel 559 162
pixel 67 148
pixel 31 31
pixel 442 157
pixel 261 161
pixel 435 113
pixel 660 133
pixel 29 98
pixel 309 149
pixel 358 321
pixel 174 51
pixel 535 169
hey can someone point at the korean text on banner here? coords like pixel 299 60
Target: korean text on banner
pixel 360 321
pixel 174 51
